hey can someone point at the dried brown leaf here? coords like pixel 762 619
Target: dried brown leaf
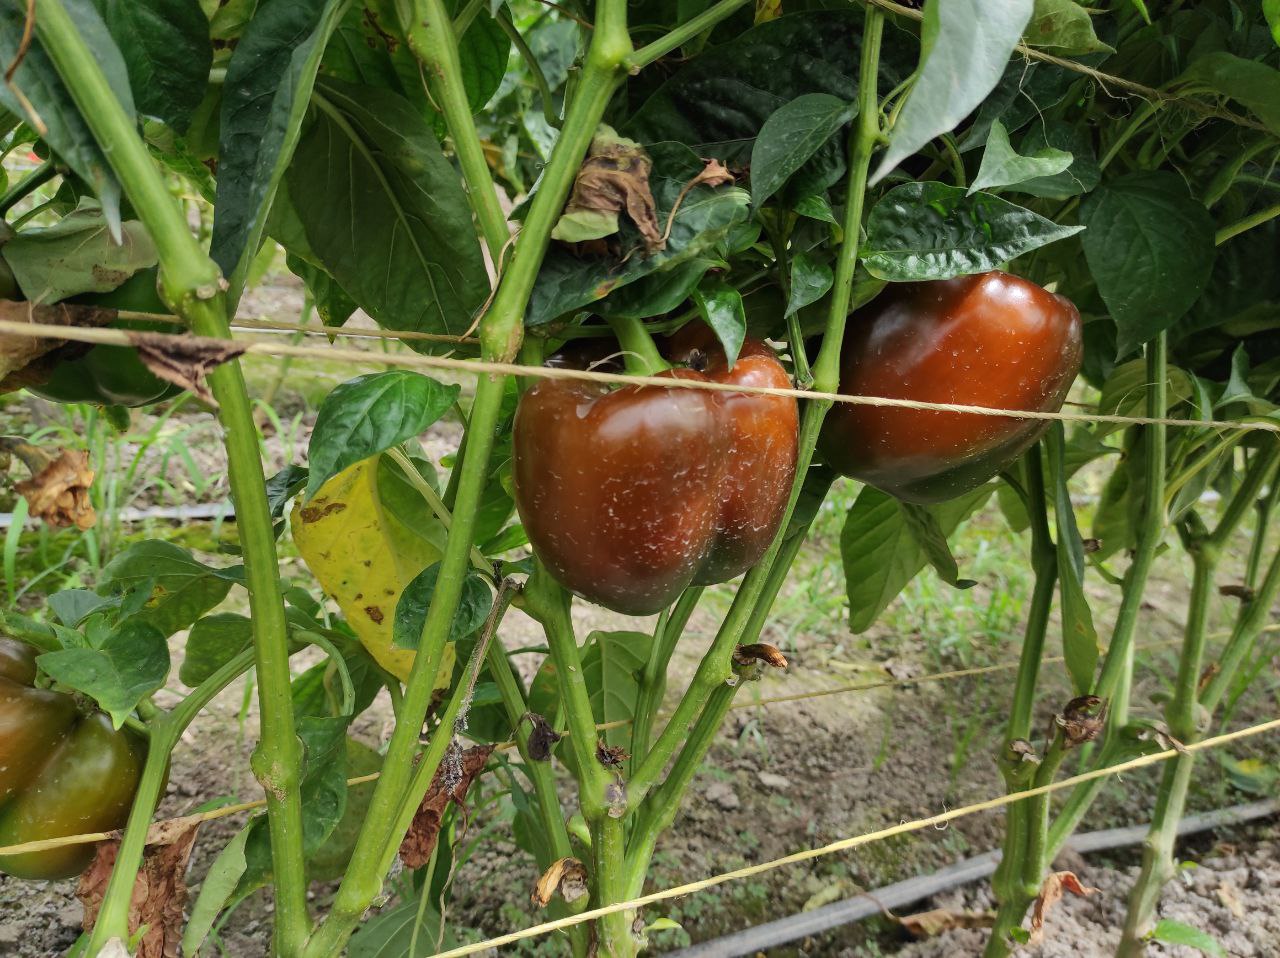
pixel 159 892
pixel 541 737
pixel 59 492
pixel 1082 720
pixel 930 924
pixel 28 361
pixel 714 173
pixel 567 875
pixel 610 756
pixel 450 784
pixel 184 361
pixel 760 652
pixel 614 178
pixel 1054 887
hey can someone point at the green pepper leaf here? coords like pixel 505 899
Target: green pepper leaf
pixel 415 600
pixel 810 281
pixel 791 136
pixel 370 414
pixel 1079 637
pixel 927 532
pixel 1176 933
pixel 213 642
pixel 720 306
pixel 1003 166
pixel 922 231
pixel 611 666
pixel 130 663
pixel 1064 27
pixel 77 255
pixel 964 47
pixel 1150 248
pixel 180 588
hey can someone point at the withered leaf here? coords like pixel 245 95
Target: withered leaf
pixel 159 892
pixel 185 360
pixel 714 173
pixel 28 361
pixel 1082 720
pixel 610 756
pixel 1237 591
pixel 1054 887
pixel 930 924
pixel 613 178
pixel 59 492
pixel 568 875
pixel 541 737
pixel 760 652
pixel 450 784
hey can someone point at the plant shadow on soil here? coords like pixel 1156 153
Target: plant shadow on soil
pixel 801 774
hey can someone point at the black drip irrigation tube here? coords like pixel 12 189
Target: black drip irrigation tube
pixel 750 941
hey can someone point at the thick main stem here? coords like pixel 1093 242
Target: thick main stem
pixel 192 286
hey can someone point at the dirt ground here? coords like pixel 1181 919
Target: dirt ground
pixel 785 777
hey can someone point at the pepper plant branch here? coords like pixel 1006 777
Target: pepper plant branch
pixel 639 352
pixel 193 286
pixel 28 184
pixel 503 19
pixel 682 34
pixel 653 682
pixel 113 914
pixel 433 41
pixel 1117 664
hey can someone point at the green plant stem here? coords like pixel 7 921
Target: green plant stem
pixel 1143 114
pixel 431 37
pixel 1246 224
pixel 682 34
pixel 504 21
pixel 1023 820
pixel 24 187
pixel 639 352
pixel 715 668
pixel 165 731
pixel 435 503
pixel 192 286
pixel 608 846
pixel 501 333
pixel 1117 665
pixel 547 602
pixel 653 682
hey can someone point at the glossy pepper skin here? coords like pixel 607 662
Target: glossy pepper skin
pixel 632 495
pixel 61 772
pixel 114 375
pixel 987 340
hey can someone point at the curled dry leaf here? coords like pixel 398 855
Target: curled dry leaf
pixel 541 737
pixel 610 756
pixel 1054 887
pixel 930 924
pixel 450 784
pixel 613 178
pixel 713 174
pixel 1082 720
pixel 567 875
pixel 1237 591
pixel 760 652
pixel 185 360
pixel 28 361
pixel 159 892
pixel 1020 750
pixel 58 490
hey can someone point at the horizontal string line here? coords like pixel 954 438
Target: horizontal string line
pixel 115 337
pixel 933 821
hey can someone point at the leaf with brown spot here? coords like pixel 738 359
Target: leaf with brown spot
pixel 449 784
pixel 28 361
pixel 185 360
pixel 930 924
pixel 541 737
pixel 567 875
pixel 1054 887
pixel 59 492
pixel 613 178
pixel 159 892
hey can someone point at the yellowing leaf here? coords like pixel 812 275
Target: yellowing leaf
pixel 363 557
pixel 767 10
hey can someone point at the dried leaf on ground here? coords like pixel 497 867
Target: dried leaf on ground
pixel 1054 887
pixel 159 892
pixel 567 875
pixel 929 924
pixel 184 361
pixel 28 361
pixel 59 492
pixel 450 784
pixel 613 178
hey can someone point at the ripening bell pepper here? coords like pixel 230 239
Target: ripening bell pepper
pixel 991 340
pixel 61 772
pixel 631 495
